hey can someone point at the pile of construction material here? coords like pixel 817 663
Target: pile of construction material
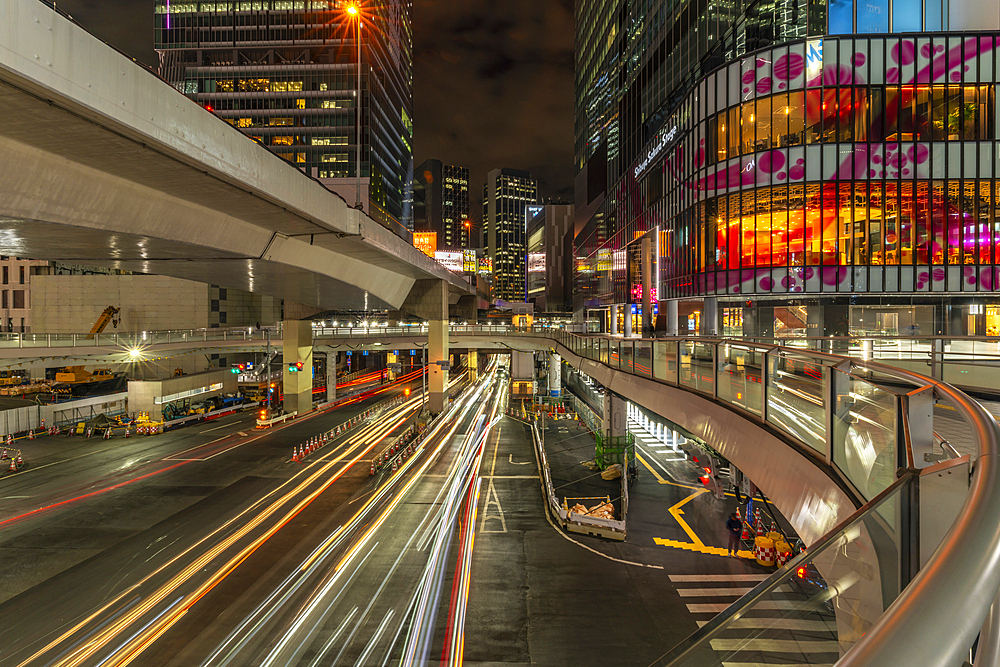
pixel 612 472
pixel 601 511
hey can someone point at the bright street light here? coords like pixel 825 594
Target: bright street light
pixel 355 11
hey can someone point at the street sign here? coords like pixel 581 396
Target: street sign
pixel 445 365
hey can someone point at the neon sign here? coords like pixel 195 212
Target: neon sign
pixel 655 151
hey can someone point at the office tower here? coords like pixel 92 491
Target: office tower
pixel 509 197
pixel 441 204
pixel 790 168
pixel 285 72
pixel 550 253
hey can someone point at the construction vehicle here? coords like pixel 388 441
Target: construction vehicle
pixel 109 314
pixel 82 382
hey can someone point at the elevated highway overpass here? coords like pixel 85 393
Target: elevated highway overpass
pixel 105 164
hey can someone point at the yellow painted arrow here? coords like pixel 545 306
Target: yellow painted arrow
pixel 676 512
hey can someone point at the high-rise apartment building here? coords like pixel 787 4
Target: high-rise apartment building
pixel 789 167
pixel 441 204
pixel 507 196
pixel 285 72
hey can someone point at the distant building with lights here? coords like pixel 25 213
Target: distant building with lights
pixel 285 73
pixel 507 196
pixel 441 204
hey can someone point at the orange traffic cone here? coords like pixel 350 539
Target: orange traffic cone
pixel 31 434
pixel 295 455
pixel 394 465
pixel 372 471
pixel 774 527
pixel 13 466
pixel 20 461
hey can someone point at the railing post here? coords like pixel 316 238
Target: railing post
pixel 20 339
pixel 937 359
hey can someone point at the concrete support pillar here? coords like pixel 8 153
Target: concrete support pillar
pixel 647 284
pixel 615 421
pixel 522 365
pixel 297 346
pixel 437 351
pixel 331 376
pixel 429 299
pixel 473 364
pixel 628 320
pixel 670 317
pixel 555 375
pixel 710 317
pixel 613 311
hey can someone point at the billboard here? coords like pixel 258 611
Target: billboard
pixel 536 262
pixel 449 260
pixel 469 263
pixel 486 265
pixel 530 211
pixel 426 242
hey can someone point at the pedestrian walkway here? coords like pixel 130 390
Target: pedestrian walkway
pixel 774 632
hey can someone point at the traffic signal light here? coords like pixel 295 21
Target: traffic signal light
pixel 295 368
pixel 406 392
pixel 237 368
pixel 263 414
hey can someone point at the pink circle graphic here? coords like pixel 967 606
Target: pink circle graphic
pixel 789 66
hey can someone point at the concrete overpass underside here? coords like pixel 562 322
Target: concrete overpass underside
pixel 105 164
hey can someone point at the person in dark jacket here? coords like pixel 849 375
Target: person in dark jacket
pixel 735 527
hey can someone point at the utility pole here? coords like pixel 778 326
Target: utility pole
pixel 424 399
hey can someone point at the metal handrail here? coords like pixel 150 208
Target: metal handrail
pixel 961 578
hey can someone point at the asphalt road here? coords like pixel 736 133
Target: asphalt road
pixel 98 532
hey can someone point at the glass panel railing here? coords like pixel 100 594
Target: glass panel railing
pixel 643 358
pixel 697 369
pixel 820 604
pixel 739 376
pixel 665 361
pixel 795 397
pixel 614 359
pixel 865 433
pixel 625 350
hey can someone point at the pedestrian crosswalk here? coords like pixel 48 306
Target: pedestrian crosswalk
pixel 776 631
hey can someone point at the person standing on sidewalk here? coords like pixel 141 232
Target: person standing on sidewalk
pixel 734 527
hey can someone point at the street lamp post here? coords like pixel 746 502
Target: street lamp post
pixel 355 11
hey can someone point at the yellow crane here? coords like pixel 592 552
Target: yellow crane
pixel 110 314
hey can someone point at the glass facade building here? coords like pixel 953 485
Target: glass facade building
pixel 508 196
pixel 285 72
pixel 441 204
pixel 822 185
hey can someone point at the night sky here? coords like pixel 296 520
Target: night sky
pixel 493 81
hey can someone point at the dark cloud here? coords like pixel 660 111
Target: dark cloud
pixel 493 80
pixel 493 87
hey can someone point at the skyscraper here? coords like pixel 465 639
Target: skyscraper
pixel 285 72
pixel 441 203
pixel 507 195
pixel 788 168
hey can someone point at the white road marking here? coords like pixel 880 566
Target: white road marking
pixel 691 578
pixel 711 592
pixel 776 645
